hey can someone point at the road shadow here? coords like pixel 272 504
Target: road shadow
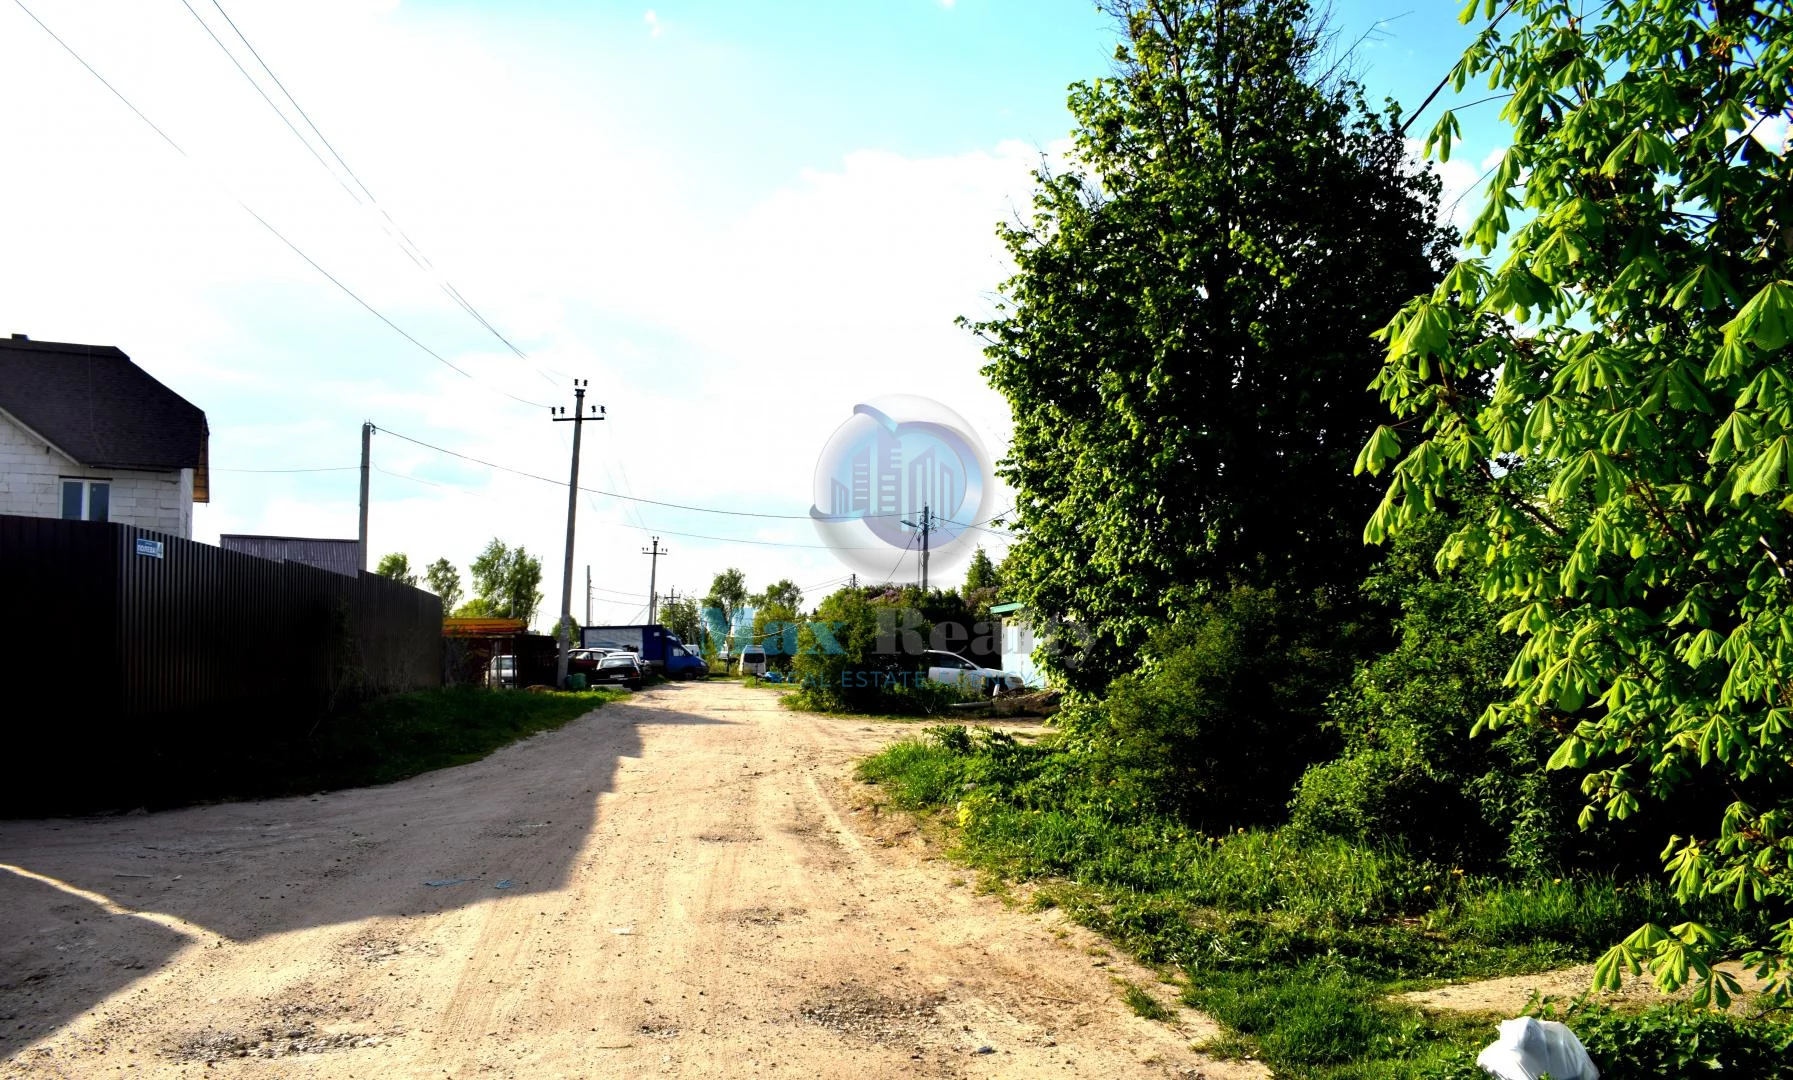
pixel 96 903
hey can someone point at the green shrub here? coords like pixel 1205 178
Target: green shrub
pixel 1410 772
pixel 852 670
pixel 1227 709
pixel 1671 1042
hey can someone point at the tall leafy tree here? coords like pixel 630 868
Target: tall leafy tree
pixel 682 618
pixel 445 581
pixel 508 580
pixel 728 592
pixel 981 573
pixel 1186 344
pixel 783 594
pixel 1639 324
pixel 397 566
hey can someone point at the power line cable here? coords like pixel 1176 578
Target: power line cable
pixel 619 495
pixel 263 222
pixel 1411 117
pixel 391 227
pixel 618 524
pixel 899 562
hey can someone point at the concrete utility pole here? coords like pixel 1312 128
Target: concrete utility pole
pixel 566 580
pixel 367 453
pixel 653 573
pixel 926 526
pixel 588 594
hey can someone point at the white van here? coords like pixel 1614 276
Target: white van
pixel 753 660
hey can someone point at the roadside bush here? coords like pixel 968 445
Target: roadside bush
pixel 1410 772
pixel 848 673
pixel 1672 1042
pixel 1227 710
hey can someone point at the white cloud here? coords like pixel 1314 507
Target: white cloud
pixel 1464 184
pixel 653 22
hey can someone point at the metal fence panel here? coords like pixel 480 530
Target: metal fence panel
pixel 178 627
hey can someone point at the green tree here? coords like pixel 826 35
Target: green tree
pixel 445 581
pixel 775 626
pixel 981 574
pixel 508 580
pixel 1639 325
pixel 728 592
pixel 1186 345
pixel 682 618
pixel 861 653
pixel 477 608
pixel 397 566
pixel 783 593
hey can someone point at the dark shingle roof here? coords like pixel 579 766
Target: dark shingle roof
pixel 337 556
pixel 98 407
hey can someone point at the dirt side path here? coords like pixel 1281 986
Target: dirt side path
pixel 667 886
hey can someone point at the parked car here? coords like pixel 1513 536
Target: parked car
pixel 658 648
pixel 585 661
pixel 501 672
pixel 947 667
pixel 618 668
pixel 753 660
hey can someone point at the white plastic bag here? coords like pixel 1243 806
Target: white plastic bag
pixel 1528 1049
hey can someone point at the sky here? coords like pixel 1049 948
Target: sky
pixel 737 221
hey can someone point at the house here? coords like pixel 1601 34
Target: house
pixel 1018 643
pixel 87 434
pixel 337 556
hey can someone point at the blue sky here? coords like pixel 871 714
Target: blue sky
pixel 737 220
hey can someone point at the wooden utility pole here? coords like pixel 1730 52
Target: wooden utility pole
pixel 565 632
pixel 926 525
pixel 588 594
pixel 653 573
pixel 367 448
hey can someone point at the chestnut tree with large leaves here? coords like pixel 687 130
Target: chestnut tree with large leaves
pixel 1186 344
pixel 1638 322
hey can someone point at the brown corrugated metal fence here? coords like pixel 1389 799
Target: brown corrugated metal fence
pixel 196 642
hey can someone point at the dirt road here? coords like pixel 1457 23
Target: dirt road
pixel 687 883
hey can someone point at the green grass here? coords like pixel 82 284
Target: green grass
pixel 394 737
pixel 232 757
pixel 1143 1004
pixel 1294 942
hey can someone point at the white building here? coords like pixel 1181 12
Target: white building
pixel 85 433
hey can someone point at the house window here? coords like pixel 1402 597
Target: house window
pixel 87 500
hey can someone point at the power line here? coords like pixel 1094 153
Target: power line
pixel 263 222
pixel 1411 117
pixel 899 562
pixel 619 495
pixel 392 228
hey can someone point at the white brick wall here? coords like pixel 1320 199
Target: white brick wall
pixel 31 476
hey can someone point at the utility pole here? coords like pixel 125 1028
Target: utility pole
pixel 588 594
pixel 852 581
pixel 926 526
pixel 367 453
pixel 653 573
pixel 566 581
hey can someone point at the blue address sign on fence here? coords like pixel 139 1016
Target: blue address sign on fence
pixel 146 546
